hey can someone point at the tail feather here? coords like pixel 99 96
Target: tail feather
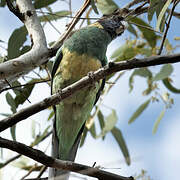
pixel 55 174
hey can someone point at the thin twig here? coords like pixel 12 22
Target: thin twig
pixel 85 82
pixel 167 26
pixel 72 24
pixel 29 172
pixel 50 23
pixel 43 169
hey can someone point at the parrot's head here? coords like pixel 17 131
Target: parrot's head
pixel 114 25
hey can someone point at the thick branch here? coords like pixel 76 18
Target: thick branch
pixel 39 53
pixel 39 156
pixel 85 82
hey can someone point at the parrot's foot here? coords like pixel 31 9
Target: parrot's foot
pixel 59 92
pixel 91 76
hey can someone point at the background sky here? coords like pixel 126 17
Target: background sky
pixel 158 154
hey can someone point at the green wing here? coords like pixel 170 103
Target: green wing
pixel 56 64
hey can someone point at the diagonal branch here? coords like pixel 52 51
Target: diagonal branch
pixel 85 82
pixel 48 161
pixel 12 69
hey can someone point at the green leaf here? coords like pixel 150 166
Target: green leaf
pixel 25 49
pixel 162 13
pixel 139 111
pixel 132 30
pixel 43 3
pixel 54 16
pixel 156 124
pixel 16 90
pixel 106 6
pixel 40 137
pixel 122 144
pixel 169 86
pixel 33 129
pixel 101 121
pixel 11 102
pixel 165 71
pixel 155 6
pixel 13 132
pixel 148 34
pixel 51 115
pixel 124 52
pixel 93 130
pixel 16 40
pixel 5 114
pixel 94 7
pixel 83 136
pixel 2 3
pixel 25 92
pixel 143 72
pixel 110 122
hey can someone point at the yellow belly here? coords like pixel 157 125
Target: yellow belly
pixel 74 66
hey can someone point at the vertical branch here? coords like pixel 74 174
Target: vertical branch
pixel 167 26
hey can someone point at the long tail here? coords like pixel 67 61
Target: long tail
pixel 55 174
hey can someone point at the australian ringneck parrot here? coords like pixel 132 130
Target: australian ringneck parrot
pixel 83 52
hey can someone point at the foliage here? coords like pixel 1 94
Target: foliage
pixel 141 42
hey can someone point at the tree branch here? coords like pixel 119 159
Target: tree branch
pixel 167 26
pixel 12 69
pixel 85 82
pixel 39 54
pixel 39 156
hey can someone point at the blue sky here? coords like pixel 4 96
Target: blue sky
pixel 159 154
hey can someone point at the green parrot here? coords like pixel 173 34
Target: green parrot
pixel 84 51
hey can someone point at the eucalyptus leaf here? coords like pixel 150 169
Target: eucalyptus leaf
pixel 10 100
pixel 143 72
pixel 148 34
pixel 122 144
pixel 13 132
pixel 16 40
pixel 165 71
pixel 156 124
pixel 169 86
pixel 94 7
pixel 110 122
pixel 54 16
pixel 162 13
pixel 43 3
pixel 83 136
pixel 139 111
pixel 93 130
pixel 101 121
pixel 106 6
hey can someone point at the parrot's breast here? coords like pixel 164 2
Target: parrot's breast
pixel 74 66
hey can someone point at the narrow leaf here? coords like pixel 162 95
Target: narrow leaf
pixel 139 111
pixel 148 34
pixel 110 122
pixel 162 13
pixel 142 72
pixel 169 86
pixel 101 121
pixel 93 130
pixel 94 7
pixel 156 124
pixel 122 144
pixel 13 132
pixel 40 4
pixel 11 102
pixel 106 6
pixel 54 16
pixel 16 40
pixel 165 71
pixel 83 136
